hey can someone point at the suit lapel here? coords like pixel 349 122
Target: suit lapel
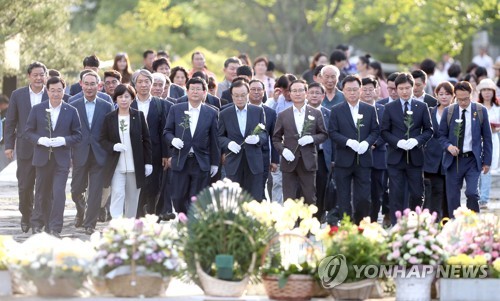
pixel 292 122
pixel 200 119
pixel 348 115
pixel 234 119
pixel 84 113
pixel 62 114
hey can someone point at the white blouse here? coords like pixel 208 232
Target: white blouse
pixel 126 161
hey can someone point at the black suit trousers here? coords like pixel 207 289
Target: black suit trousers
pixel 377 190
pixel 251 183
pixel 321 182
pixel 359 177
pixel 26 184
pixel 188 183
pixel 435 192
pixel 150 192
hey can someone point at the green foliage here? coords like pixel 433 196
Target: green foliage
pixel 207 234
pixel 358 248
pixel 275 268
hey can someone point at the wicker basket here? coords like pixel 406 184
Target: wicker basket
pixel 298 287
pixel 58 287
pixel 222 288
pixel 358 290
pixel 137 285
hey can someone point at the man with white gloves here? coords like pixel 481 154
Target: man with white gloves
pixel 191 129
pixel 353 129
pixel 298 131
pixel 242 134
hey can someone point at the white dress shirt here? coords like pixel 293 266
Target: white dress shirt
pixel 54 114
pixel 299 115
pixel 354 112
pixel 143 106
pixel 36 98
pixel 421 98
pixel 468 128
pixel 241 115
pixel 126 160
pixel 193 119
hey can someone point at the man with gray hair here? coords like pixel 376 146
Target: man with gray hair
pixel 329 77
pixel 155 110
pixel 88 155
pixel 100 94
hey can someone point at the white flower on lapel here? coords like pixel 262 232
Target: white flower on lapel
pixel 187 113
pixel 49 111
pixel 458 121
pixel 261 126
pixel 359 116
pixel 410 112
pixel 310 117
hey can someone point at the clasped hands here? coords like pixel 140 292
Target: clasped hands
pixel 407 144
pixel 52 142
pixel 358 147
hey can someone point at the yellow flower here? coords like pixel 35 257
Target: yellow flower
pixel 479 260
pixel 496 265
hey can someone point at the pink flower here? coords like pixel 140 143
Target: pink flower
pixel 413 260
pixel 406 211
pixel 418 210
pixel 193 199
pixel 396 254
pixel 183 218
pixel 398 214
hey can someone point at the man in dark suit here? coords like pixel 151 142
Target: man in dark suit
pixel 175 91
pixel 209 99
pixel 112 79
pixel 369 93
pixel 21 102
pixel 155 110
pixel 391 88
pixel 406 127
pixel 89 63
pixel 354 129
pixel 88 156
pixel 192 130
pixel 245 72
pixel 473 152
pixel 419 94
pixel 79 95
pixel 53 127
pixel 315 96
pixel 299 129
pixel 269 153
pixel 241 143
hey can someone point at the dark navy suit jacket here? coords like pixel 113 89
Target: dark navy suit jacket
pixel 433 151
pixel 229 131
pixel 342 128
pixel 156 124
pixel 394 129
pixel 67 126
pixel 100 94
pixel 211 100
pixel 90 132
pixel 327 146
pixel 270 123
pixel 481 136
pixel 176 91
pixel 204 142
pixel 380 150
pixel 15 122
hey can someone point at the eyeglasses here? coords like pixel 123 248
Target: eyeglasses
pixel 297 90
pixel 256 89
pixel 351 90
pixel 109 83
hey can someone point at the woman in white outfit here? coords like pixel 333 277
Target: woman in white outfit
pixel 487 97
pixel 125 136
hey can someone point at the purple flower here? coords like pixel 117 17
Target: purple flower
pixel 398 214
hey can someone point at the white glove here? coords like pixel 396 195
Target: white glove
pixel 119 147
pixel 177 143
pixel 45 141
pixel 353 144
pixel 252 139
pixel 288 155
pixel 363 147
pixel 213 170
pixel 402 144
pixel 148 169
pixel 305 140
pixel 58 141
pixel 234 147
pixel 411 143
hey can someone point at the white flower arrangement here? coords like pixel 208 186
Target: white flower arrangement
pixel 310 117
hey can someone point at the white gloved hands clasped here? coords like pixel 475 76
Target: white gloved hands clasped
pixel 288 155
pixel 305 140
pixel 57 142
pixel 353 144
pixel 402 144
pixel 411 143
pixel 177 143
pixel 119 147
pixel 234 147
pixel 252 139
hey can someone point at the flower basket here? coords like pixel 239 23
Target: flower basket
pixel 298 286
pixel 58 287
pixel 415 288
pixel 358 290
pixel 222 288
pixel 132 285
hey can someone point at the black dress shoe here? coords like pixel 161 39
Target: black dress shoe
pixel 89 230
pixel 55 234
pixel 25 227
pixel 80 211
pixel 166 216
pixel 37 230
pixel 103 214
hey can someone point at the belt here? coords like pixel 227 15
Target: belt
pixel 190 155
pixel 466 155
